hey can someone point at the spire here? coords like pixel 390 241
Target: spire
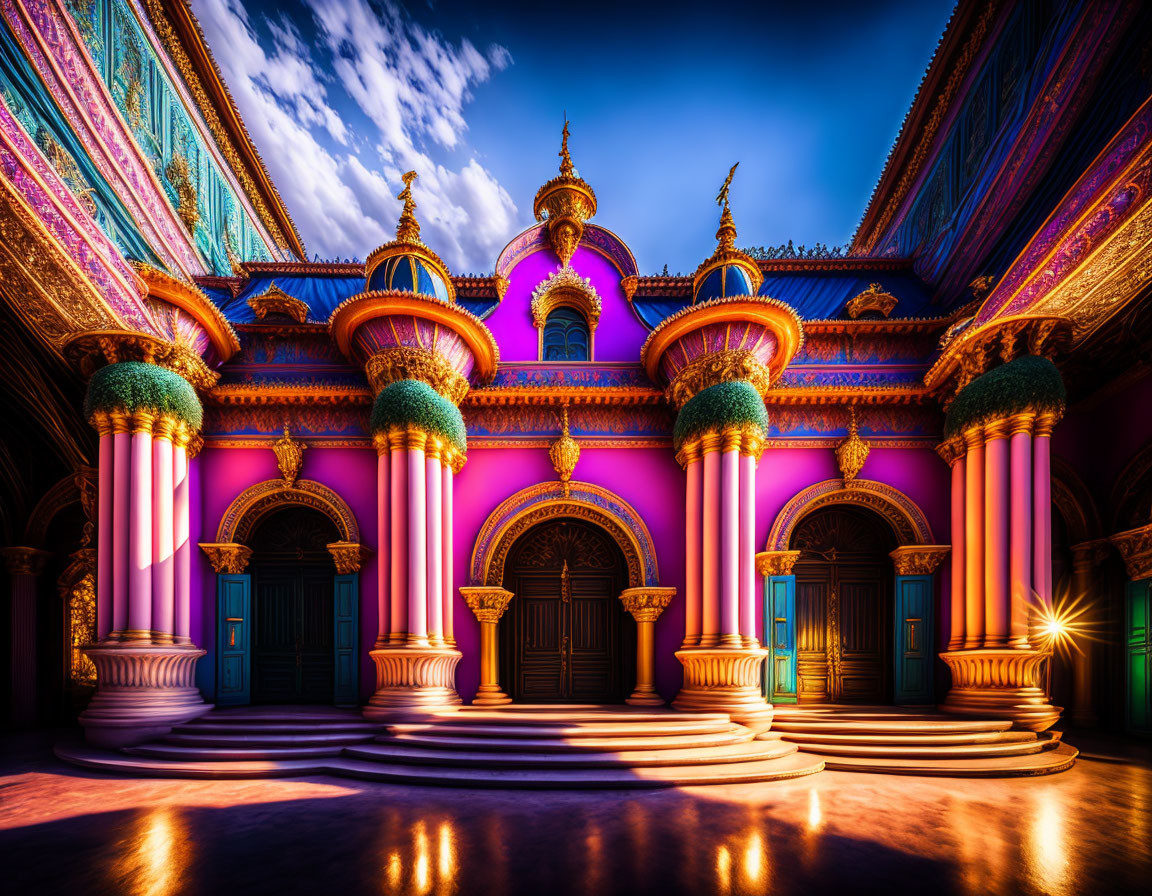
pixel 408 229
pixel 726 235
pixel 565 203
pixel 566 167
pixel 728 271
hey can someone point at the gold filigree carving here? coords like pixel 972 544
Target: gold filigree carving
pixel 289 456
pixel 873 299
pixel 628 285
pixel 718 367
pixel 113 346
pixel 348 555
pixel 906 519
pixel 228 557
pixel 565 288
pixel 564 454
pixel 486 603
pixel 253 504
pixel 180 176
pixel 1135 546
pixel 406 363
pixel 852 452
pixel 646 604
pixel 565 203
pixel 776 563
pixel 275 301
pixel 919 559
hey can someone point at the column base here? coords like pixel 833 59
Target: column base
pixel 413 679
pixel 490 695
pixel 645 698
pixel 1000 684
pixel 143 691
pixel 718 679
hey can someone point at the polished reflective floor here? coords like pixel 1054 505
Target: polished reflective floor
pixel 1083 831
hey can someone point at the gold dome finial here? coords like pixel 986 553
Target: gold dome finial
pixel 565 203
pixel 566 167
pixel 727 232
pixel 408 230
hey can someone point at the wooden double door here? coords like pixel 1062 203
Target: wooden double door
pixel 844 608
pixel 566 637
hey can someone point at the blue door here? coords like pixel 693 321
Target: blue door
pixel 233 602
pixel 913 675
pixel 345 638
pixel 1138 655
pixel 780 638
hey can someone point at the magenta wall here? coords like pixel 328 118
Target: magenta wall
pixel 619 334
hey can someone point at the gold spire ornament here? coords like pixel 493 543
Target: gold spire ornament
pixel 408 229
pixel 726 253
pixel 852 452
pixel 289 456
pixel 565 203
pixel 564 453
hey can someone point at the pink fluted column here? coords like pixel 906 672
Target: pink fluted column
pixel 1021 539
pixel 748 550
pixel 997 585
pixel 163 559
pixel 417 546
pixel 1042 509
pixel 383 544
pixel 182 540
pixel 446 598
pixel 693 539
pixel 104 536
pixel 121 513
pixel 730 548
pixel 974 540
pixel 398 502
pixel 956 638
pixel 710 546
pixel 140 531
pixel 435 546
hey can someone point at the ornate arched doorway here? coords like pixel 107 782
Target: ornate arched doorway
pixel 566 637
pixel 843 606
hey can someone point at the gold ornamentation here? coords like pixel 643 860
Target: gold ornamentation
pixel 348 556
pixel 501 285
pixel 256 502
pixel 66 167
pixel 872 299
pixel 628 284
pixel 192 300
pixel 486 603
pixel 1000 684
pixel 406 363
pixel 24 561
pixel 919 559
pixel 113 346
pixel 401 439
pixel 852 452
pixel 227 557
pixel 289 456
pixel 275 301
pixel 776 563
pixel 180 177
pixel 77 589
pixel 725 679
pixel 726 252
pixel 408 228
pixel 906 519
pixel 718 367
pixel 1135 546
pixel 413 677
pixel 565 203
pixel 747 439
pixel 565 288
pixel 564 454
pixel 646 604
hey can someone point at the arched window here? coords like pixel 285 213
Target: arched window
pixel 566 336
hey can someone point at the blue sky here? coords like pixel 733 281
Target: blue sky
pixel 342 96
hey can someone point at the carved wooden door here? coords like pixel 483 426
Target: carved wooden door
pixel 565 636
pixel 843 607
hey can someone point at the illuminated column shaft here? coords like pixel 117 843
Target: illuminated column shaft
pixel 693 546
pixel 181 538
pixel 1021 571
pixel 1042 512
pixel 974 540
pixel 435 538
pixel 730 547
pixel 163 544
pixel 710 544
pixel 104 534
pixel 140 531
pixel 417 542
pixel 398 502
pixel 121 513
pixel 996 547
pixel 383 541
pixel 748 550
pixel 956 638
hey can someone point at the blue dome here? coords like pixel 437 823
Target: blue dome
pixel 411 274
pixel 724 281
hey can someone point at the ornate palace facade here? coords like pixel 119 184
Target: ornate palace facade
pixel 916 473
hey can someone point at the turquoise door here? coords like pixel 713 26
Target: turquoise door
pixel 233 603
pixel 1138 655
pixel 912 682
pixel 780 638
pixel 345 638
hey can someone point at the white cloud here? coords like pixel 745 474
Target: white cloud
pixel 410 83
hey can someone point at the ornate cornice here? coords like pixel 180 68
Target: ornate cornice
pixel 919 559
pixel 647 603
pixel 776 563
pixel 275 301
pixel 261 394
pixel 227 557
pixel 1135 546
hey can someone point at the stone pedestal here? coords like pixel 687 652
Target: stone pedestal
pixel 718 679
pixel 143 691
pixel 413 680
pixel 1000 684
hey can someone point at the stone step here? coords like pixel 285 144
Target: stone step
pixel 506 729
pixel 260 715
pixel 230 754
pixel 1047 762
pixel 737 734
pixel 938 751
pixel 917 726
pixel 267 740
pixel 476 715
pixel 215 726
pixel 973 737
pixel 457 758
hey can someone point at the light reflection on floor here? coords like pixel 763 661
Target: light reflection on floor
pixel 1084 831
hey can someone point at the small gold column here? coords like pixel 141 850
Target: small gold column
pixel 646 605
pixel 488 604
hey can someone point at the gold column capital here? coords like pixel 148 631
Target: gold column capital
pixel 919 559
pixel 996 429
pixel 22 561
pixel 1135 546
pixel 1024 422
pixel 227 557
pixel 646 603
pixel 1045 423
pixel 974 437
pixel 951 450
pixel 486 602
pixel 349 555
pixel 776 563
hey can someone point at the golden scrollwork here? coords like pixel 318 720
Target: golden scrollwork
pixel 289 456
pixel 487 603
pixel 718 367
pixel 227 557
pixel 873 299
pixel 565 203
pixel 254 503
pixel 113 346
pixel 1135 546
pixel 776 563
pixel 275 301
pixel 919 559
pixel 180 177
pixel 852 452
pixel 348 555
pixel 565 288
pixel 628 285
pixel 407 363
pixel 647 603
pixel 564 454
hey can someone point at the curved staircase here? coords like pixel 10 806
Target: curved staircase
pixel 511 747
pixel 900 742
